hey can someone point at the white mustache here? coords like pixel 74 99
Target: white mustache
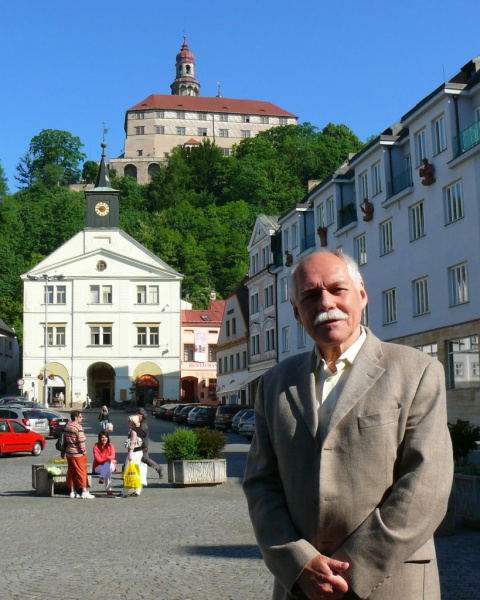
pixel 330 315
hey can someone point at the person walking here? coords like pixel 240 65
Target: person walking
pixel 61 399
pixel 142 414
pixel 104 462
pixel 350 468
pixel 134 443
pixel 103 417
pixel 76 455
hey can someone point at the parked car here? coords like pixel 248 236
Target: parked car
pixel 159 411
pixel 19 401
pixel 178 410
pixel 172 410
pixel 192 414
pixel 225 414
pixel 247 425
pixel 12 400
pixel 238 416
pixel 56 421
pixel 31 404
pixel 15 437
pixel 182 416
pixel 33 419
pixel 205 417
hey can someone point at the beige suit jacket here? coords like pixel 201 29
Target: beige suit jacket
pixel 376 489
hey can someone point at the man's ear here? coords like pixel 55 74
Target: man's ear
pixel 363 296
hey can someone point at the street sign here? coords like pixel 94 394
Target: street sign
pixel 20 382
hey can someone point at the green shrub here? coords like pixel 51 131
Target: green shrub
pixel 182 444
pixel 464 440
pixel 210 443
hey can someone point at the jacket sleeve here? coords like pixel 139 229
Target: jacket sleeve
pixel 283 550
pixel 415 505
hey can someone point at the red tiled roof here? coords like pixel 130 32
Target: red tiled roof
pixel 214 312
pixel 205 104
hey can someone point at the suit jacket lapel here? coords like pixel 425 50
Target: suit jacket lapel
pixel 303 393
pixel 365 372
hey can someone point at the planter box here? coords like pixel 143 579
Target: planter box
pixel 467 498
pixel 46 484
pixel 197 472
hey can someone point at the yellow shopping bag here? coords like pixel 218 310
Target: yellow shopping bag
pixel 131 476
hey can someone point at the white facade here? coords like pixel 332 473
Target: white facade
pixel 262 301
pixel 420 253
pixel 113 321
pixel 232 352
pixel 9 361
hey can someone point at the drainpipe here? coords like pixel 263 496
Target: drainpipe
pixel 277 341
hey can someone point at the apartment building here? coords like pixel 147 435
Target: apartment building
pixel 407 207
pixel 232 350
pixel 200 329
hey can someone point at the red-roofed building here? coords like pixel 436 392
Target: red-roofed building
pixel 199 339
pixel 160 122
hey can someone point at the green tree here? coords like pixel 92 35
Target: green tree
pixel 90 171
pixel 3 183
pixel 51 147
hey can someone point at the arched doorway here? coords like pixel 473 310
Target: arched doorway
pixel 101 384
pixel 146 390
pixel 130 171
pixel 189 389
pixel 152 169
pixel 56 390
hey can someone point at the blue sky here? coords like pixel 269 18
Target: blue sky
pixel 74 65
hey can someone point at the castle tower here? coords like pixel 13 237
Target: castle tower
pixel 185 83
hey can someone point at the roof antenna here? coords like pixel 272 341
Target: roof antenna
pixel 219 93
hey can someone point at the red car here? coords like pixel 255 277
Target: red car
pixel 15 437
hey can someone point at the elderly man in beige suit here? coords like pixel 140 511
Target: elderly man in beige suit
pixel 350 469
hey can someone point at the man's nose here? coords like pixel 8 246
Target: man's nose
pixel 326 301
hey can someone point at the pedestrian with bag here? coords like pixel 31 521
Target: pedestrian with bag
pixel 104 463
pixel 134 465
pixel 103 417
pixel 142 415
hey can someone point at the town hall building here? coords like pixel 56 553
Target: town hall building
pixel 102 315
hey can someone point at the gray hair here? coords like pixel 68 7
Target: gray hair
pixel 350 263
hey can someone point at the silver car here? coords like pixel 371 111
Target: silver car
pixel 32 418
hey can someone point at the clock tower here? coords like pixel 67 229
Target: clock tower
pixel 103 201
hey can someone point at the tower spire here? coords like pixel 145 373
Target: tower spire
pixel 185 83
pixel 103 178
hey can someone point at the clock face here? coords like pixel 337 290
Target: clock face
pixel 101 208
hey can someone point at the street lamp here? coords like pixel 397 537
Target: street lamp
pixel 46 279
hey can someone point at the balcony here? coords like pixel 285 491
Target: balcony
pixel 399 183
pixel 467 139
pixel 347 215
pixel 307 242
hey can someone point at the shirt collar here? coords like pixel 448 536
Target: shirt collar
pixel 350 353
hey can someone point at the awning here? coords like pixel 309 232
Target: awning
pixel 242 382
pixel 55 382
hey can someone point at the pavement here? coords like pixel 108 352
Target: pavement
pixel 168 544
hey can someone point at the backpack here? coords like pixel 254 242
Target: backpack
pixel 61 444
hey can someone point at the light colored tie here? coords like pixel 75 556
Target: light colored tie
pixel 327 395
